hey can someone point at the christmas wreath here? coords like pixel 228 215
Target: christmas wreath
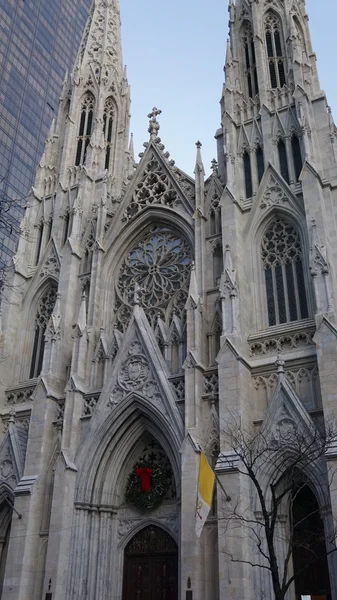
pixel 146 486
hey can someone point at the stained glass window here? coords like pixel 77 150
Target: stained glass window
pixel 284 276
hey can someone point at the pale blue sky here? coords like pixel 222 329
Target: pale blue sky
pixel 175 55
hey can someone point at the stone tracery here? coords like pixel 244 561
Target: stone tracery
pixel 159 264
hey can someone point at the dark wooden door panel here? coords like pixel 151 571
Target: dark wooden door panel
pixel 151 578
pixel 151 566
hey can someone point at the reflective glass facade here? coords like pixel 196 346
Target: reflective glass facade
pixel 39 40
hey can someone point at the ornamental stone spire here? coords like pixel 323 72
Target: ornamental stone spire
pixel 101 48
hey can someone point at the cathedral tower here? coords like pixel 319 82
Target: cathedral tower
pixel 277 157
pixel 146 308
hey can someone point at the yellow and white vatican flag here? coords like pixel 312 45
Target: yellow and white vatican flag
pixel 206 481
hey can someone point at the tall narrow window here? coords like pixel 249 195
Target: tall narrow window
pixel 250 63
pixel 275 52
pixel 297 156
pixel 217 264
pixel 284 276
pixel 215 216
pixel 108 118
pixel 39 242
pixel 260 163
pixel 42 317
pixel 248 174
pixel 85 129
pixel 282 154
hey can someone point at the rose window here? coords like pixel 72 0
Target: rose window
pixel 159 266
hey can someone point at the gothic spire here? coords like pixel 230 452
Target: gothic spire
pixel 101 48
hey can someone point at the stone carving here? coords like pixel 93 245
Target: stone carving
pixel 274 195
pixel 179 387
pixel 211 385
pixel 305 382
pixel 51 266
pixel 20 395
pixel 159 266
pixel 102 43
pixel 155 187
pixel 135 375
pixel 7 472
pixel 282 342
pixel 90 405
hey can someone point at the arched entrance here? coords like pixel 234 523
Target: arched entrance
pixel 151 566
pixel 309 547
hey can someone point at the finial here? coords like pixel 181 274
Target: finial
pixel 214 166
pixel 279 364
pixel 198 144
pixel 153 124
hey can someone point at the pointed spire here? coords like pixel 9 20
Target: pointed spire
pixel 101 43
pixel 131 148
pixel 231 11
pixel 193 288
pixel 199 167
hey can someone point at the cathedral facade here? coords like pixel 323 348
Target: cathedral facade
pixel 144 307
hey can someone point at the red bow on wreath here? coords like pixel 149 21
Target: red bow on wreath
pixel 145 475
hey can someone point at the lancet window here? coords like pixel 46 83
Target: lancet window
pixel 43 314
pixel 282 154
pixel 275 51
pixel 39 228
pixel 297 156
pixel 259 163
pixel 250 63
pixel 108 118
pixel 247 167
pixel 284 277
pixel 85 128
pixel 215 216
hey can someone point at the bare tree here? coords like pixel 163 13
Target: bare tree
pixel 280 465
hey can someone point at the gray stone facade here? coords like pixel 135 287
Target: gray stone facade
pixel 139 312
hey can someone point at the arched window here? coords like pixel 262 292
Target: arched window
pixel 275 51
pixel 215 216
pixel 217 264
pixel 282 155
pixel 297 155
pixel 250 63
pixel 284 276
pixel 85 128
pixel 248 174
pixel 260 163
pixel 108 117
pixel 43 314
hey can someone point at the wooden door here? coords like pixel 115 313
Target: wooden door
pixel 151 566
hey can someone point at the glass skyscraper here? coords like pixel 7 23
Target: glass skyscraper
pixel 39 40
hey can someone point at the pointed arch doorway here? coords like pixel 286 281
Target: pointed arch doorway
pixel 151 566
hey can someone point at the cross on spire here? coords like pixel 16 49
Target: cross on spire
pixel 153 124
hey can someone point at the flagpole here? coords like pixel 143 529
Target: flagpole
pixel 228 498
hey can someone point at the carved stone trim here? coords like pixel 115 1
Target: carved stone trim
pixel 283 341
pixel 20 394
